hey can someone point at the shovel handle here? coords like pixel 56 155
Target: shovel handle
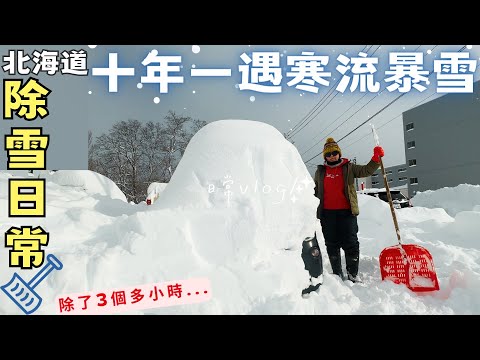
pixel 389 195
pixel 375 135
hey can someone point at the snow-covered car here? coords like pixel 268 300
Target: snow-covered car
pixel 398 199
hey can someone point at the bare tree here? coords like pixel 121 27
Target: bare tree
pixel 95 159
pixel 90 139
pixel 151 138
pixel 134 155
pixel 176 136
pixel 91 161
pixel 119 155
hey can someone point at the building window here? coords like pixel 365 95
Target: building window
pixel 410 144
pixel 402 170
pixel 374 182
pixel 389 172
pixel 390 180
pixel 403 178
pixel 374 175
pixel 409 127
pixel 413 181
pixel 412 162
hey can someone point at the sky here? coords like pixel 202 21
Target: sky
pixel 312 116
pixel 78 104
pixel 225 236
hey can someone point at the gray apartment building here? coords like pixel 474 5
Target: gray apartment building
pixel 442 140
pixel 396 176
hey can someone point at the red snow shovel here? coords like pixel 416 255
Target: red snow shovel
pixel 411 265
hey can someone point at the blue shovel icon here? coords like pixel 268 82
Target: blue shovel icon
pixel 23 294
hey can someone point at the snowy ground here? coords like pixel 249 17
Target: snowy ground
pixel 236 212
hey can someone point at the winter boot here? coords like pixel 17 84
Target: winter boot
pixel 354 279
pixel 351 259
pixel 336 263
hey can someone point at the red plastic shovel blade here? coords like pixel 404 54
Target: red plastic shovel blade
pixel 416 271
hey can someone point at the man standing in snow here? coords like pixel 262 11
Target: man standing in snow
pixel 338 208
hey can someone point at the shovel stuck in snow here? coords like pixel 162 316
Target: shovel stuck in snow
pixel 411 265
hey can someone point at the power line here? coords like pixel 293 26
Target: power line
pixel 336 94
pixel 378 112
pixel 318 135
pixel 389 121
pixel 369 119
pixel 315 107
pixel 396 117
pixel 295 129
pixel 461 49
pixel 295 132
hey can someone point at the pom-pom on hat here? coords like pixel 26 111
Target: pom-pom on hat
pixel 330 146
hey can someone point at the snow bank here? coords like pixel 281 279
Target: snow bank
pixel 90 181
pixel 464 197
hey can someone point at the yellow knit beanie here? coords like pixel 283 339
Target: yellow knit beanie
pixel 330 146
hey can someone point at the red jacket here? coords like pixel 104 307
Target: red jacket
pixel 334 197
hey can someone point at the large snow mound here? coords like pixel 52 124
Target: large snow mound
pixel 249 172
